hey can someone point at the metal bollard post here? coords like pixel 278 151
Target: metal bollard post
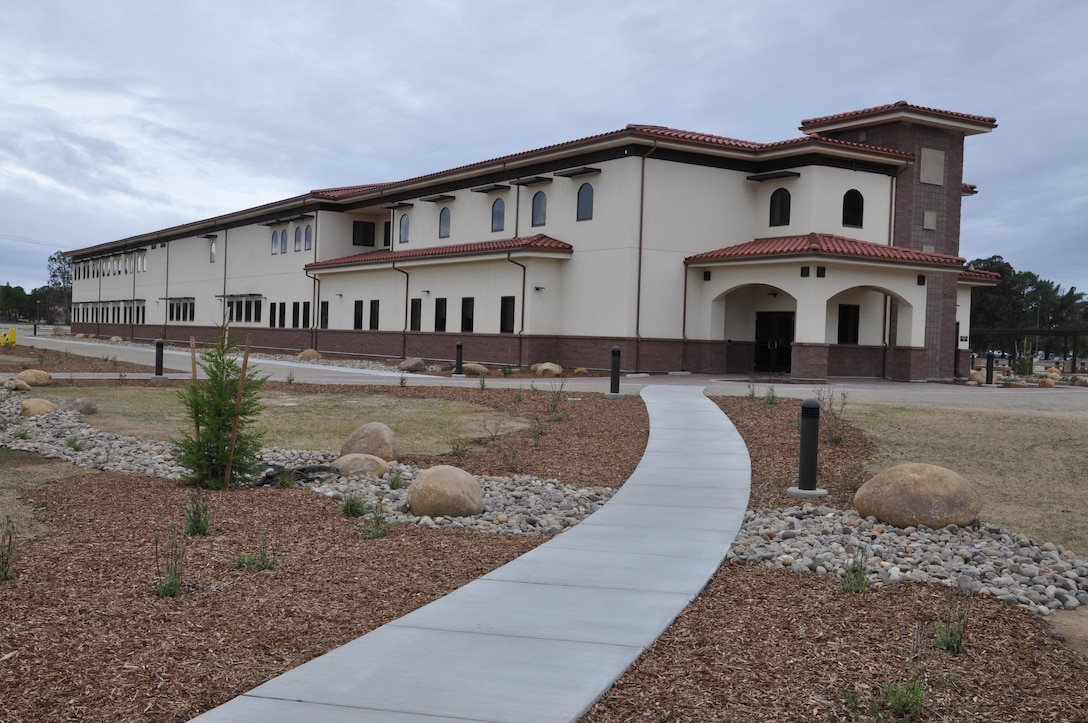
pixel 158 357
pixel 614 387
pixel 810 444
pixel 989 367
pixel 457 360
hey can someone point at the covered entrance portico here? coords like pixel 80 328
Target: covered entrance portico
pixel 831 307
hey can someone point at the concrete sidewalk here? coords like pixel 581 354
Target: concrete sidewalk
pixel 543 637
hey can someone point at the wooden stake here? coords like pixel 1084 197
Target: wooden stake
pixel 237 410
pixel 196 417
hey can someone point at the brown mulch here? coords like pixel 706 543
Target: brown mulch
pixel 84 637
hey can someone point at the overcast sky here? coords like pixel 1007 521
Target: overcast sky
pixel 119 118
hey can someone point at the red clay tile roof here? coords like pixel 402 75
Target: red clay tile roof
pixel 723 141
pixel 973 274
pixel 820 244
pixel 346 190
pixel 896 106
pixel 539 242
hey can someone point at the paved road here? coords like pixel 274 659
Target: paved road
pixel 1064 401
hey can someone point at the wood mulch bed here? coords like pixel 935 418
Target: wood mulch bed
pixel 84 637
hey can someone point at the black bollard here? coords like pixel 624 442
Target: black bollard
pixel 810 444
pixel 158 357
pixel 989 367
pixel 457 360
pixel 614 387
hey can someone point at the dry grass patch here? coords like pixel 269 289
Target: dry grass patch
pixel 23 470
pixel 303 419
pixel 1028 467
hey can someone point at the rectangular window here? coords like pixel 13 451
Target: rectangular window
pixel 387 234
pixel 294 314
pixel 373 314
pixel 416 315
pixel 439 314
pixel 257 311
pixel 849 318
pixel 362 233
pixel 468 306
pixel 358 324
pixel 248 310
pixel 324 318
pixel 272 316
pixel 283 314
pixel 506 315
pixel 305 314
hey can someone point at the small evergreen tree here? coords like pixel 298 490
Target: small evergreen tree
pixel 210 404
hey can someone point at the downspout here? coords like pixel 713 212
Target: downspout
pixel 684 325
pixel 638 280
pixel 224 292
pixel 521 327
pixel 316 297
pixel 132 301
pixel 886 330
pixel 404 326
pixel 166 293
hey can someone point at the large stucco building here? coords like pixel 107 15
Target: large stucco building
pixel 832 254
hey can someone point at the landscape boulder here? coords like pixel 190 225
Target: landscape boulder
pixel 116 340
pixel 412 364
pixel 548 369
pixel 445 491
pixel 1046 382
pixel 35 377
pixel 33 407
pixel 372 438
pixel 913 494
pixel 83 405
pixel 360 465
pixel 977 375
pixel 472 369
pixel 309 355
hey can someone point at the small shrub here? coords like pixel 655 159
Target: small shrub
pixel 751 393
pixel 198 515
pixel 905 700
pixel 518 395
pixel 856 579
pixel 395 482
pixel 286 480
pixel 483 382
pixel 7 549
pixel 508 458
pixel 493 429
pixel 770 398
pixel 403 381
pixel 536 430
pixel 74 443
pixel 376 527
pixel 170 557
pixel 559 415
pixel 458 448
pixel 949 631
pixel 21 433
pixel 263 560
pixel 832 412
pixel 353 506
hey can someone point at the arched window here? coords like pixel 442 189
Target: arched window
pixel 211 252
pixel 444 223
pixel 780 207
pixel 585 202
pixel 309 237
pixel 404 228
pixel 275 243
pixel 498 215
pixel 283 241
pixel 540 208
pixel 853 208
pixel 298 238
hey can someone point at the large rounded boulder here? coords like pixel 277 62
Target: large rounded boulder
pixel 309 355
pixel 372 438
pixel 360 465
pixel 34 407
pixel 913 494
pixel 35 377
pixel 445 491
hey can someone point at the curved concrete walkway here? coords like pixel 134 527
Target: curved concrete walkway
pixel 543 637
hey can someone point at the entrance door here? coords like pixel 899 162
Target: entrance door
pixel 774 334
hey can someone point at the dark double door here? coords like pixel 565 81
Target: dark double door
pixel 774 335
